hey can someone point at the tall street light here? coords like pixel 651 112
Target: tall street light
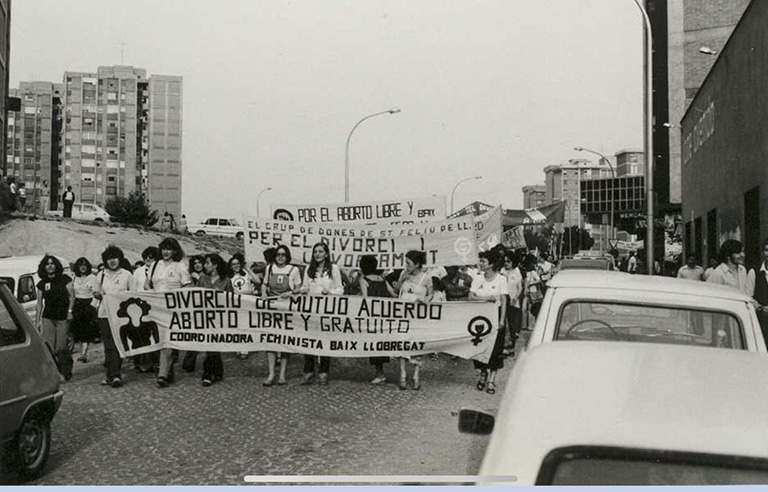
pixel 346 155
pixel 457 185
pixel 258 201
pixel 613 184
pixel 648 144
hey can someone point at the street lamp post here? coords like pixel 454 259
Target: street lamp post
pixel 346 154
pixel 457 185
pixel 613 184
pixel 648 144
pixel 258 201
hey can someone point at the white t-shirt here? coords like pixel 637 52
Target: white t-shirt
pixel 84 287
pixel 514 285
pixel 169 275
pixel 242 284
pixel 489 288
pixel 110 282
pixel 315 286
pixel 140 275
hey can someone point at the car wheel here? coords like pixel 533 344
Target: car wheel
pixel 32 445
pixel 239 236
pixel 200 233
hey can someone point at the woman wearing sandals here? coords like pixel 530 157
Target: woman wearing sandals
pixel 321 278
pixel 168 273
pixel 415 284
pixel 216 277
pixel 280 280
pixel 54 310
pixel 491 286
pixel 374 285
pixel 84 328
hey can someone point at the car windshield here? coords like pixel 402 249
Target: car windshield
pixel 625 322
pixel 607 471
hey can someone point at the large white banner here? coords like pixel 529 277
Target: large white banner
pixel 336 326
pixel 449 242
pixel 409 211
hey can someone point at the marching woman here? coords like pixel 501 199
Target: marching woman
pixel 168 273
pixel 415 284
pixel 244 282
pixel 321 278
pixel 113 279
pixel 374 285
pixel 84 328
pixel 491 286
pixel 196 268
pixel 281 279
pixel 215 277
pixel 54 310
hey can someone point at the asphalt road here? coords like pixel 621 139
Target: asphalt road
pixel 187 434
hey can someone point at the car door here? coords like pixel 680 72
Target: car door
pixel 26 294
pixel 14 347
pixel 225 228
pixel 88 212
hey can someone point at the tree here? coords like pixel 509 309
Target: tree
pixel 132 209
pixel 539 237
pixel 575 233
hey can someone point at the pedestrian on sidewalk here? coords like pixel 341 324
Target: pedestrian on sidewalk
pixel 56 297
pixel 68 199
pixel 760 282
pixel 731 271
pixel 22 192
pixel 691 270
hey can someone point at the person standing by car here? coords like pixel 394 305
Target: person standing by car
pixel 491 286
pixel 183 227
pixel 68 199
pixel 731 271
pixel 632 263
pixel 168 273
pixel 54 310
pixel 691 270
pixel 113 279
pixel 321 278
pixel 84 328
pixel 280 280
pixel 216 277
pixel 713 263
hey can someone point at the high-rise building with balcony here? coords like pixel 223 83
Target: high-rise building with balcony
pixel 163 182
pixel 563 183
pixel 33 143
pixel 534 196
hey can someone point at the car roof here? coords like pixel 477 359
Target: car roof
pixel 595 279
pixel 645 396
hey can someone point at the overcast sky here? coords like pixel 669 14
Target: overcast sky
pixel 497 88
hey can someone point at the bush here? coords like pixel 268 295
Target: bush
pixel 132 209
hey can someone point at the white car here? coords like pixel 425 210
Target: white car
pixel 20 276
pixel 632 380
pixel 84 211
pixel 218 226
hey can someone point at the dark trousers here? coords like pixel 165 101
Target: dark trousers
pixel 68 209
pixel 112 358
pixel 763 319
pixel 213 366
pixel 190 359
pixel 309 364
pixel 514 323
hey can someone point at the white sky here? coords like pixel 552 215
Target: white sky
pixel 498 88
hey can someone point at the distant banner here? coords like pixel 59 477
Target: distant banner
pixel 412 210
pixel 550 214
pixel 514 238
pixel 336 326
pixel 450 242
pixel 474 208
pixel 488 229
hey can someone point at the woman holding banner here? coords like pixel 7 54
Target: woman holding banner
pixel 168 273
pixel 321 278
pixel 244 282
pixel 281 279
pixel 374 285
pixel 215 277
pixel 415 284
pixel 491 286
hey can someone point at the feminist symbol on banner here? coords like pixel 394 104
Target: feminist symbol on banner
pixel 480 327
pixel 463 248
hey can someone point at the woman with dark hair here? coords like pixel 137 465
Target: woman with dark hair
pixel 216 277
pixel 54 310
pixel 731 271
pixel 244 282
pixel 168 273
pixel 280 280
pixel 374 285
pixel 491 286
pixel 84 327
pixel 414 285
pixel 113 279
pixel 196 268
pixel 321 278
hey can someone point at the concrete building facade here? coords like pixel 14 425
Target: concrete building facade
pixel 534 196
pixel 630 162
pixel 563 183
pixel 32 150
pixel 5 57
pixel 163 180
pixel 725 149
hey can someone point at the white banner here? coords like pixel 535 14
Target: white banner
pixel 514 238
pixel 336 326
pixel 412 210
pixel 450 242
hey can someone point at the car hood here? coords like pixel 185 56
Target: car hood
pixel 633 395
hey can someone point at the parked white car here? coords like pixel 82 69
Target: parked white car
pixel 218 226
pixel 84 211
pixel 20 276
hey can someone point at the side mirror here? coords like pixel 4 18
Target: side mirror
pixel 474 422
